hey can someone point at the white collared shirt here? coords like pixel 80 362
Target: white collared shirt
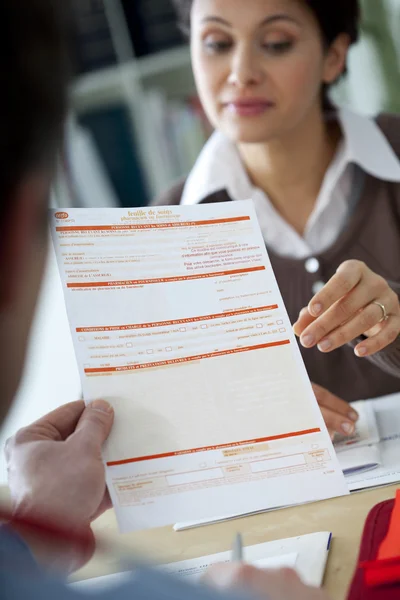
pixel 219 166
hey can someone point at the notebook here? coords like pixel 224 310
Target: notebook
pixel 307 554
pixel 387 470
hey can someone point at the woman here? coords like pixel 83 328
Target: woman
pixel 325 183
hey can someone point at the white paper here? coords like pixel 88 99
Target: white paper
pixel 360 452
pixel 193 570
pixel 184 525
pixel 306 554
pixel 178 322
pixel 360 460
pixel 387 412
pixel 375 465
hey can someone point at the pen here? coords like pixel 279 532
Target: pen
pixel 237 550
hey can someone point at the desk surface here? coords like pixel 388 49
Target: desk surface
pixel 345 517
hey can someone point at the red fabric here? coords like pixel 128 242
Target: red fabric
pixel 375 532
pixel 390 546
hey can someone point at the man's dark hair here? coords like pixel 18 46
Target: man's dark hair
pixel 34 74
pixel 334 17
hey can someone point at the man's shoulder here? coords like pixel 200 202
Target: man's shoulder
pixel 172 195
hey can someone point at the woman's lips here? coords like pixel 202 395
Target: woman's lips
pixel 249 108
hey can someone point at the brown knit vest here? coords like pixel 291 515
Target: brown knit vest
pixel 372 235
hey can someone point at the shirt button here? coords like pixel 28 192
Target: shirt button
pixel 312 265
pixel 317 287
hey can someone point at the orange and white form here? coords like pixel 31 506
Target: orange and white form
pixel 178 322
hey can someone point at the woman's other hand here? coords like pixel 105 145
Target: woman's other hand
pixel 338 415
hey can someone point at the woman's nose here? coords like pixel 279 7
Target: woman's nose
pixel 245 70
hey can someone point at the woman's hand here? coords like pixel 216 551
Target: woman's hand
pixel 339 417
pixel 355 302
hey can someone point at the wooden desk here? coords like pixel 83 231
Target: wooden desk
pixel 345 517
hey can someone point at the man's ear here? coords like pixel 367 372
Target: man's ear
pixel 20 227
pixel 336 58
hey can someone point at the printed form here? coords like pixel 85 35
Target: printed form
pixel 178 322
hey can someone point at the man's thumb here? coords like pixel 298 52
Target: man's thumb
pixel 96 421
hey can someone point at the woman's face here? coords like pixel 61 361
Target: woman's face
pixel 260 64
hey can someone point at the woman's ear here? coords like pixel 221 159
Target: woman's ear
pixel 336 59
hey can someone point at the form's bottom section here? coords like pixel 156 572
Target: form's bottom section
pixel 254 477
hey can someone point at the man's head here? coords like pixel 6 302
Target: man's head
pixel 34 71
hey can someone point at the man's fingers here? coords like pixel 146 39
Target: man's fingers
pixel 95 423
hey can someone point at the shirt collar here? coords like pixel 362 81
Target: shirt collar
pixel 367 146
pixel 219 165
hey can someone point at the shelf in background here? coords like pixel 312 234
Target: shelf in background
pixel 109 81
pixel 99 82
pixel 162 62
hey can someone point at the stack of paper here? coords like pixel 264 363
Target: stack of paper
pixel 387 470
pixel 360 452
pixel 307 554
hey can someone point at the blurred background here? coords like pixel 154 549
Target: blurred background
pixel 134 127
pixel 136 124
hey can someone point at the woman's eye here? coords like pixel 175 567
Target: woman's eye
pixel 217 46
pixel 278 47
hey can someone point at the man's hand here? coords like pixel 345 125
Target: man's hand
pixel 355 302
pixel 339 417
pixel 55 467
pixel 283 584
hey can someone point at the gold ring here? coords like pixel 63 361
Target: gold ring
pixel 385 315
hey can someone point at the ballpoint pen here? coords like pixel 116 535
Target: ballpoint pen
pixel 237 550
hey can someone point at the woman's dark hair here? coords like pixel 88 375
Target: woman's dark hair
pixel 334 17
pixel 34 72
